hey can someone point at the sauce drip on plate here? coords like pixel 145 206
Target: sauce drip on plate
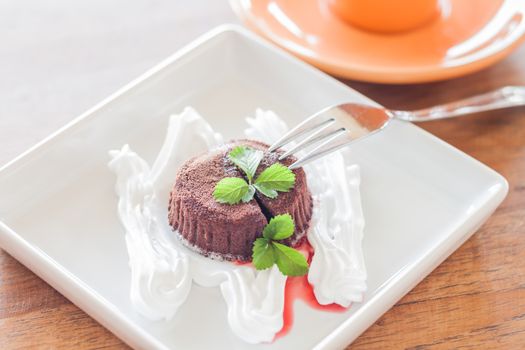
pixel 298 288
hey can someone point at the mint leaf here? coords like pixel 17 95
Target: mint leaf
pixel 266 251
pixel 247 159
pixel 266 191
pixel 249 194
pixel 289 261
pixel 279 227
pixel 263 255
pixel 275 178
pixel 230 190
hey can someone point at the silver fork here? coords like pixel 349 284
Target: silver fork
pixel 338 126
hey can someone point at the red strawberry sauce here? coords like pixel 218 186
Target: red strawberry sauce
pixel 298 288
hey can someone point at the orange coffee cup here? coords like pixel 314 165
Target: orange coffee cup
pixel 385 15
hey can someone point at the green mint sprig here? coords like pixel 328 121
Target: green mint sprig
pixel 231 190
pixel 275 178
pixel 266 251
pixel 247 159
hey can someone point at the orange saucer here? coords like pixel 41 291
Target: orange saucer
pixel 466 37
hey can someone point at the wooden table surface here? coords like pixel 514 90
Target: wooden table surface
pixel 59 57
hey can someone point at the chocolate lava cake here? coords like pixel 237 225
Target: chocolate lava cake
pixel 228 231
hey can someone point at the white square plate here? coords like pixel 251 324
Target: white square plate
pixel 421 197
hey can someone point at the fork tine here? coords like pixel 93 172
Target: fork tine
pixel 354 121
pixel 316 137
pixel 311 124
pixel 328 146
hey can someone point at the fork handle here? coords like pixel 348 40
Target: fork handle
pixel 509 96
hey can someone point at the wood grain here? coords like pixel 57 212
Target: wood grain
pixel 474 300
